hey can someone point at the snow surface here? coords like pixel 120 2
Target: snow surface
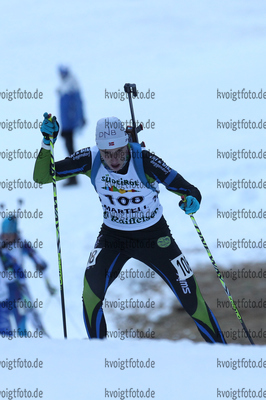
pixel 184 52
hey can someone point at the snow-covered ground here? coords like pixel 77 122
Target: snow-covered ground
pixel 82 370
pixel 183 52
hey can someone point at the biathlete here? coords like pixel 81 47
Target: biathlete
pixel 13 282
pixel 126 178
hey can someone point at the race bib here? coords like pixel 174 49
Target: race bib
pixel 183 268
pixel 92 258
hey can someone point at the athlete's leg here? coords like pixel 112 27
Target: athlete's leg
pixel 165 257
pixel 5 325
pixel 104 266
pixel 15 294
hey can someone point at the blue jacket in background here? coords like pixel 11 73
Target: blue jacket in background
pixel 70 103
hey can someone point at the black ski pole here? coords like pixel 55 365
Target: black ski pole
pixel 57 231
pixel 220 277
pixel 20 202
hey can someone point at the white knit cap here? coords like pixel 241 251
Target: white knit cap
pixel 110 133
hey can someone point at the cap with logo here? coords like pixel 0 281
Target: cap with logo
pixel 110 134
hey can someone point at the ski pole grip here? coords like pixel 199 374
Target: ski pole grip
pixel 184 199
pixel 50 119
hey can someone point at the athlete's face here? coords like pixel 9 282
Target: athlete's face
pixel 115 158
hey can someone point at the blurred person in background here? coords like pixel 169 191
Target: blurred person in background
pixel 13 281
pixel 71 111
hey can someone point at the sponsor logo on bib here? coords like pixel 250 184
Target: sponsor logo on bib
pixel 164 241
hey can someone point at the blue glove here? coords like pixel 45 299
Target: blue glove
pixel 49 127
pixel 190 206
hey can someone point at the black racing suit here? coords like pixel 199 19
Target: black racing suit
pixel 153 246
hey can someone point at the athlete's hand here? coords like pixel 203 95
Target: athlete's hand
pixel 49 127
pixel 41 266
pixel 189 204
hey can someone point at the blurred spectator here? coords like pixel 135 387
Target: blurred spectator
pixel 13 281
pixel 71 111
